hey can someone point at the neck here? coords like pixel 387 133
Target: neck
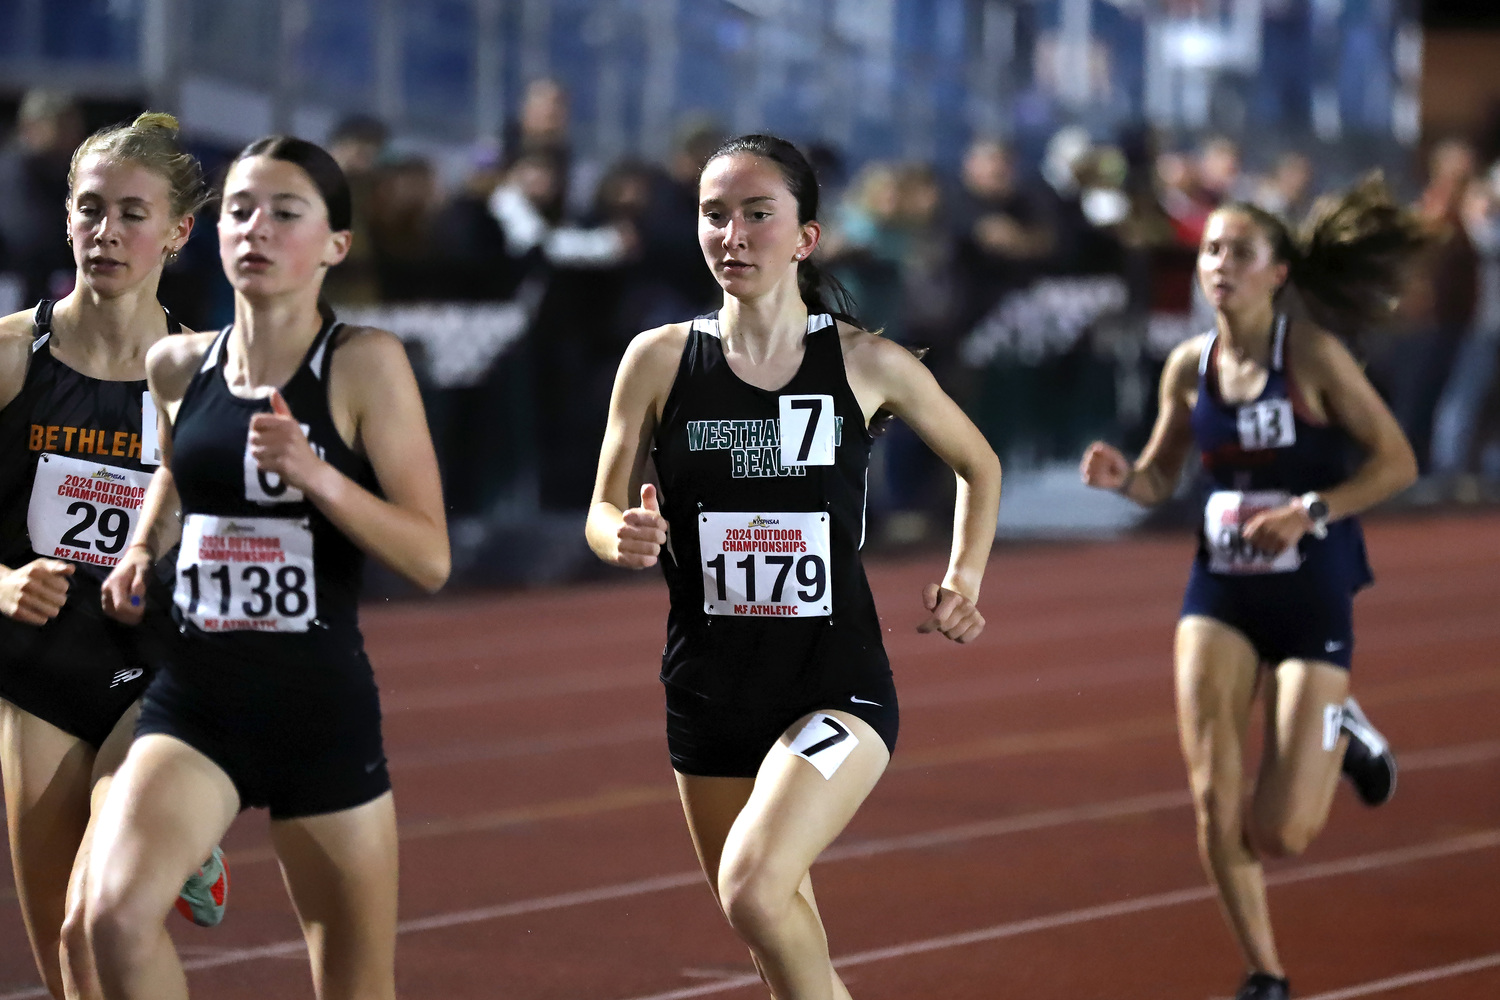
pixel 123 326
pixel 1247 332
pixel 271 335
pixel 765 324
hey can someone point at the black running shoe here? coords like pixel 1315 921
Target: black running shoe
pixel 1264 986
pixel 1368 762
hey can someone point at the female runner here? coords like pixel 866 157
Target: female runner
pixel 781 714
pixel 1274 405
pixel 293 445
pixel 76 450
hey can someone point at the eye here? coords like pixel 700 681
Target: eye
pixel 760 215
pixel 239 213
pixel 282 215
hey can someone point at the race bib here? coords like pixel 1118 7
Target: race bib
pixel 83 511
pixel 1223 519
pixel 766 565
pixel 806 427
pixel 1268 423
pixel 266 487
pixel 246 574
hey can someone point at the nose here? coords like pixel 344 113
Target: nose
pixel 734 234
pixel 105 233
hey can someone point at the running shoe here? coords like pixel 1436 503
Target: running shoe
pixel 206 892
pixel 1264 986
pixel 1368 762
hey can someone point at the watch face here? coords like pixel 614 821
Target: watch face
pixel 1317 510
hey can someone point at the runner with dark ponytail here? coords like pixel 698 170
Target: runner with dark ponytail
pixel 781 709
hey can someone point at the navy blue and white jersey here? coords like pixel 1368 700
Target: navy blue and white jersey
pixel 1259 454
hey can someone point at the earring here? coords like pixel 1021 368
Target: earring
pixel 70 239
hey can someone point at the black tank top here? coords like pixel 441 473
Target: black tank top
pixel 86 436
pixel 783 537
pixel 242 567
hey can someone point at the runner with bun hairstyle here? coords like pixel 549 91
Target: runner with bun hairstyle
pixel 781 711
pixel 293 446
pixel 76 451
pixel 1274 402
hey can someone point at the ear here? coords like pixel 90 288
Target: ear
pixel 807 242
pixel 338 247
pixel 181 232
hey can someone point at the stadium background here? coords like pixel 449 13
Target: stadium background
pixel 1015 184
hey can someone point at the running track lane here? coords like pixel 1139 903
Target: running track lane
pixel 1031 837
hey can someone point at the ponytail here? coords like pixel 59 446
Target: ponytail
pixel 1348 260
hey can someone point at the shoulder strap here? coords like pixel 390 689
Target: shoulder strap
pixel 211 359
pixel 820 321
pixel 707 323
pixel 172 325
pixel 1278 344
pixel 317 359
pixel 41 324
pixel 1206 355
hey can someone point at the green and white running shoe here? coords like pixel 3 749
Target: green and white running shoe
pixel 206 892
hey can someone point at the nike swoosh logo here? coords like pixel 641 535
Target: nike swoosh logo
pixel 860 701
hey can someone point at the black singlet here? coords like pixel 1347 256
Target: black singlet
pixel 769 616
pixel 71 464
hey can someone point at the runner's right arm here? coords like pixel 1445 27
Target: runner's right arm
pixel 1152 478
pixel 34 593
pixel 170 366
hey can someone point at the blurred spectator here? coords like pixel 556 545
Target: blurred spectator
pixel 868 246
pixel 34 188
pixel 357 143
pixel 1194 185
pixel 400 219
pixel 545 125
pixel 1287 190
pixel 1082 246
pixel 468 240
pixel 1439 307
pixel 669 228
pixel 531 207
pixel 1464 433
pixel 1004 231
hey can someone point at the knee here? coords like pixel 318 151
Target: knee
pixel 1282 836
pixel 114 925
pixel 752 901
pixel 1220 821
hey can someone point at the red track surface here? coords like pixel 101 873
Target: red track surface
pixel 1032 837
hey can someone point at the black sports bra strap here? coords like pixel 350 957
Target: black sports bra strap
pixel 41 319
pixel 1278 343
pixel 172 325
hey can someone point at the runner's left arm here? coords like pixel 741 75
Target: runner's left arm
pixel 407 530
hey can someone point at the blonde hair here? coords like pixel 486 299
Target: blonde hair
pixel 151 141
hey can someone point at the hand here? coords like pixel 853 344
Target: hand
pixel 1104 467
pixel 1275 530
pixel 953 614
pixel 36 592
pixel 642 534
pixel 278 445
pixel 123 596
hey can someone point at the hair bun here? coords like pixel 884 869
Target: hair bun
pixel 157 120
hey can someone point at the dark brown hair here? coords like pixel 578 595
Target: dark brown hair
pixel 1348 259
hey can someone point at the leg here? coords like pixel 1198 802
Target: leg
pixel 47 774
pixel 793 813
pixel 1299 768
pixel 1216 672
pixel 80 978
pixel 340 869
pixel 167 807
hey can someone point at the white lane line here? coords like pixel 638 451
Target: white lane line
pixel 1412 978
pixel 1045 819
pixel 1088 914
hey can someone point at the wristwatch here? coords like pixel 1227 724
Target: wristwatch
pixel 1317 511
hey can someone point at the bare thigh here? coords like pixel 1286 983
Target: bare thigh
pixel 340 870
pixel 47 775
pixel 1303 750
pixel 1217 669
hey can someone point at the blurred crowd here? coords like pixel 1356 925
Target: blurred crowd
pixel 946 260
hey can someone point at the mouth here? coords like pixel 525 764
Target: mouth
pixel 253 262
pixel 731 266
pixel 106 265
